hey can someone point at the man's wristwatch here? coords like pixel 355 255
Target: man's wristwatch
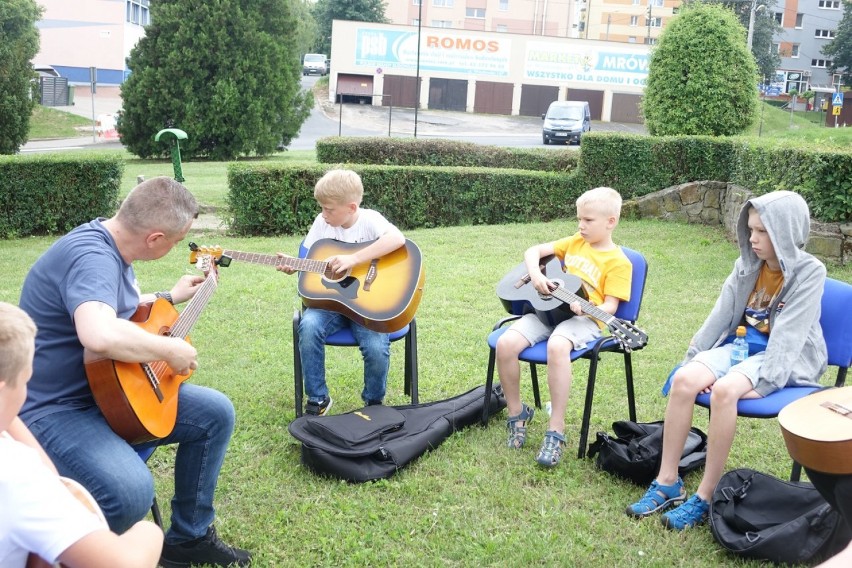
pixel 166 296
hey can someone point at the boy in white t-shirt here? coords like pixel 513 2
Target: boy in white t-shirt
pixel 38 512
pixel 339 193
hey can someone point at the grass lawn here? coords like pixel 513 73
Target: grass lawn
pixel 803 128
pixel 470 502
pixel 47 122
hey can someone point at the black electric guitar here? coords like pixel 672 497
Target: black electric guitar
pixel 517 293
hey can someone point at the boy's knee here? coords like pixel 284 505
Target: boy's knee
pixel 559 347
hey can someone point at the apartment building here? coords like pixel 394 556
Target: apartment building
pixel 78 35
pixel 807 26
pixel 628 21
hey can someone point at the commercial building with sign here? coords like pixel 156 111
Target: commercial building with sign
pixel 484 72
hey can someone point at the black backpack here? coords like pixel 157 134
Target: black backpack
pixel 635 451
pixel 760 516
pixel 375 441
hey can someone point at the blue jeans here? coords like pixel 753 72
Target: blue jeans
pixel 84 447
pixel 314 326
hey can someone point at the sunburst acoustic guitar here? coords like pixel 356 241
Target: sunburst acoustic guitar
pixel 818 430
pixel 382 295
pixel 139 400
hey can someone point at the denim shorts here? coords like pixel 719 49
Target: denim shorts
pixel 579 330
pixel 718 360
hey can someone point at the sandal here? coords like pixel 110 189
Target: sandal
pixel 658 498
pixel 518 434
pixel 551 449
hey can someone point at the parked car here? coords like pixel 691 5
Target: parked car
pixel 314 64
pixel 565 121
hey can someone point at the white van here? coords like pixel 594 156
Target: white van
pixel 314 63
pixel 565 121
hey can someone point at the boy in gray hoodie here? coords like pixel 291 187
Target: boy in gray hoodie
pixel 774 290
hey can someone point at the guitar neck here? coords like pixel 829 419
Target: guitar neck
pixel 299 264
pixel 193 309
pixel 588 308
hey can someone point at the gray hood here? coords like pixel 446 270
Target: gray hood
pixel 787 220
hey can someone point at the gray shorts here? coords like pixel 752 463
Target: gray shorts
pixel 579 330
pixel 718 360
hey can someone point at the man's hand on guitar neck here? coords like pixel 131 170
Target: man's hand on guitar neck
pixel 186 287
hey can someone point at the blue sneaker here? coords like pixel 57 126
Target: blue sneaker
pixel 658 498
pixel 689 514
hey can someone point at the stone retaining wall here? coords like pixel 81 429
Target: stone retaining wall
pixel 719 203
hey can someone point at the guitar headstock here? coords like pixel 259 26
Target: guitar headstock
pixel 206 263
pixel 628 335
pixel 195 251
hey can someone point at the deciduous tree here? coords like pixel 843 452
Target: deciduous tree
pixel 839 49
pixel 326 11
pixel 701 77
pixel 19 41
pixel 225 71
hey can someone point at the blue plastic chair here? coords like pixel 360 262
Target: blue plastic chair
pixel 836 323
pixel 145 454
pixel 537 354
pixel 344 338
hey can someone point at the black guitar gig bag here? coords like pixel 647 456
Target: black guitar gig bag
pixel 375 441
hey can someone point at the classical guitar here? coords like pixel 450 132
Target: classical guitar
pixel 79 492
pixel 139 400
pixel 517 295
pixel 818 430
pixel 382 295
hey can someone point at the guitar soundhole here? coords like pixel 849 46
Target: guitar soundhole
pixel 329 275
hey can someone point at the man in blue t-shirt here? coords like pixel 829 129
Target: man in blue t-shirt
pixel 81 294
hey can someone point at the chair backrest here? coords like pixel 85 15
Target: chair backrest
pixel 630 310
pixel 303 250
pixel 836 321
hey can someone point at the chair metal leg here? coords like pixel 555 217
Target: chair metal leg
pixel 536 393
pixel 489 381
pixel 628 377
pixel 298 386
pixel 796 472
pixel 155 512
pixel 587 407
pixel 411 372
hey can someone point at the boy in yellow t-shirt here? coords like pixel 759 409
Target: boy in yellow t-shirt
pixel 605 272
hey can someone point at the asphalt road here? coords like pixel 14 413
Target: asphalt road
pixel 328 119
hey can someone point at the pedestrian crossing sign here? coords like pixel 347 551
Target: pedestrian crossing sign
pixel 837 100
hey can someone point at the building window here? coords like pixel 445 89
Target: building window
pixel 415 2
pixel 631 39
pixel 654 22
pixel 442 23
pixel 655 3
pixel 634 20
pixel 799 18
pixel 503 6
pixel 636 2
pixel 779 17
pixel 829 4
pixel 137 12
pixel 821 63
pixel 794 50
pixel 415 22
pixel 824 34
pixel 776 48
pixel 650 40
pixel 442 3
pixel 502 28
pixel 478 13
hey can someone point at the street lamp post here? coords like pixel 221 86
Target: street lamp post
pixel 417 74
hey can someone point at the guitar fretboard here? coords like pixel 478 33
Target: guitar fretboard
pixel 589 308
pixel 300 264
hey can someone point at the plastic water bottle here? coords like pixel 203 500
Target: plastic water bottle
pixel 740 351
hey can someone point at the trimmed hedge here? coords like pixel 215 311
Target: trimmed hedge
pixel 418 152
pixel 51 194
pixel 269 199
pixel 638 165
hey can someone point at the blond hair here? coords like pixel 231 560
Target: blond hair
pixel 17 341
pixel 605 200
pixel 339 186
pixel 158 204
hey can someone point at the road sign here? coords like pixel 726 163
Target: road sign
pixel 835 111
pixel 837 100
